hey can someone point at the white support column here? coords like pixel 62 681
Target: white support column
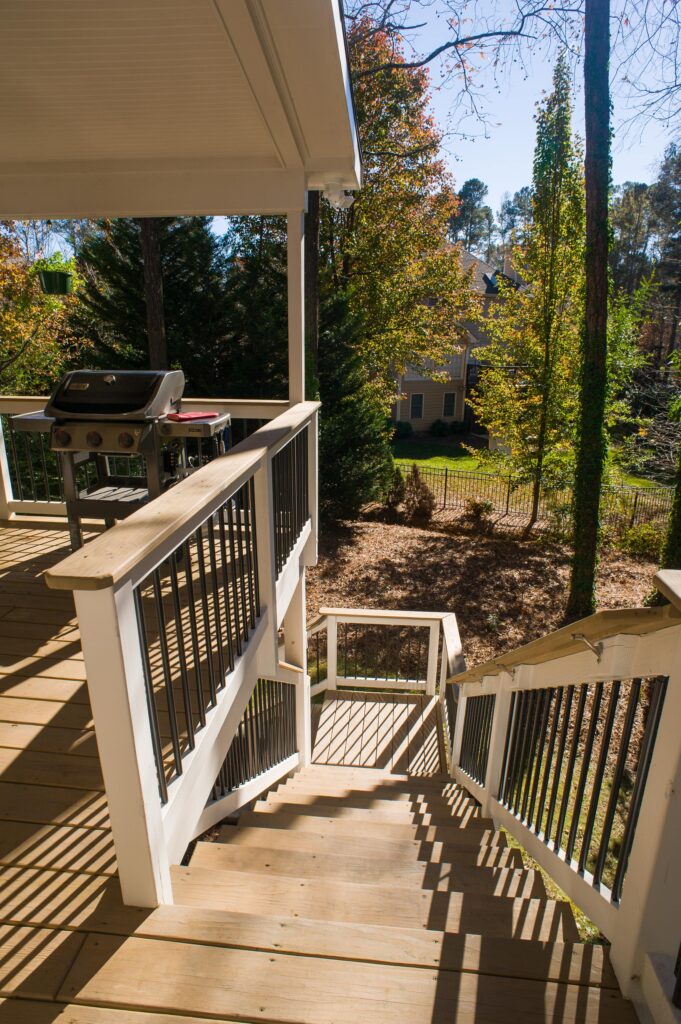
pixel 6 494
pixel 115 676
pixel 295 648
pixel 433 644
pixel 497 740
pixel 267 570
pixel 331 652
pixel 295 228
pixel 649 919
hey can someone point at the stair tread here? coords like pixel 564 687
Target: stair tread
pixel 260 832
pixel 369 871
pixel 456 807
pixel 506 916
pixel 478 832
pixel 355 790
pixel 245 985
pixel 381 811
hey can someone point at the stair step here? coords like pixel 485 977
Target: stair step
pixel 448 796
pixel 383 810
pixel 258 834
pixel 506 917
pixel 478 832
pixel 382 801
pixel 248 985
pixel 368 871
pixel 372 775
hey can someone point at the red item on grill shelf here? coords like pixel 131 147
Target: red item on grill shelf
pixel 183 417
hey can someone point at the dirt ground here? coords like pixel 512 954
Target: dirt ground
pixel 504 590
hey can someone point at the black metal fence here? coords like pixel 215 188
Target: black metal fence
pixel 475 738
pixel 291 498
pixel 575 767
pixel 391 654
pixel 317 656
pixel 33 469
pixel 195 614
pixel 623 507
pixel 266 736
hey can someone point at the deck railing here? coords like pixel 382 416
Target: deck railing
pixel 572 744
pixel 179 608
pixel 382 649
pixel 30 476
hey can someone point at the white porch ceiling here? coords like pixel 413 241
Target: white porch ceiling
pixel 151 107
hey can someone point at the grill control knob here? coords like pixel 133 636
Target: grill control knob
pixel 93 438
pixel 62 437
pixel 126 440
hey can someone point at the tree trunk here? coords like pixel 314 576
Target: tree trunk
pixel 312 293
pixel 153 292
pixel 592 442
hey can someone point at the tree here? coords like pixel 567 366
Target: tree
pixel 632 218
pixel 526 396
pixel 514 217
pixel 665 202
pixel 473 222
pixel 389 252
pixel 592 440
pixel 114 311
pixel 150 241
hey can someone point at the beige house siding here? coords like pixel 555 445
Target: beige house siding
pixel 433 402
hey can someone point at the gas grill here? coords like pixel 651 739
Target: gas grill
pixel 122 439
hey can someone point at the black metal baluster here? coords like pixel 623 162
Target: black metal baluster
pixel 254 541
pixel 606 736
pixel 248 525
pixel 572 757
pixel 193 629
pixel 242 570
pixel 618 777
pixel 179 633
pixel 539 753
pixel 513 743
pixel 524 746
pixel 562 743
pixel 532 751
pixel 225 587
pixel 150 698
pixel 29 461
pixel 167 677
pixel 43 465
pixel 203 594
pixel 215 599
pixel 233 575
pixel 15 459
pixel 558 694
pixel 647 745
pixel 507 746
pixel 584 769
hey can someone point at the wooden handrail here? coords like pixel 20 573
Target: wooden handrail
pixel 162 524
pixel 668 582
pixel 570 639
pixel 396 614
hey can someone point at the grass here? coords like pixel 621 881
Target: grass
pixel 448 453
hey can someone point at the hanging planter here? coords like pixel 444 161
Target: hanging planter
pixel 55 274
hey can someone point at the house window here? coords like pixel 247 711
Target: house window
pixel 416 412
pixel 449 404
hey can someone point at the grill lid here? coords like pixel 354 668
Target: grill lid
pixel 116 394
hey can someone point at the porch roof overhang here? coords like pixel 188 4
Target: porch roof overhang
pixel 167 107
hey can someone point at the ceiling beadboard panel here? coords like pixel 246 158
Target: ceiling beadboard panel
pixel 124 80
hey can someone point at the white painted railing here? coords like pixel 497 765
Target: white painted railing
pixel 30 479
pixel 572 743
pixel 376 648
pixel 179 608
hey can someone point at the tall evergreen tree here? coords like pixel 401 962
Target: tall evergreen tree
pixel 526 397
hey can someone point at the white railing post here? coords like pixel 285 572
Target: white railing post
pixel 295 652
pixel 332 652
pixel 497 740
pixel 267 569
pixel 311 548
pixel 115 675
pixel 458 729
pixel 649 919
pixel 433 644
pixel 6 494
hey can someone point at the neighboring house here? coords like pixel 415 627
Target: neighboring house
pixel 424 399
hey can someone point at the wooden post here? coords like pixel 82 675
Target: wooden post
pixel 115 675
pixel 332 652
pixel 6 494
pixel 458 728
pixel 497 739
pixel 312 546
pixel 433 642
pixel 295 229
pixel 295 653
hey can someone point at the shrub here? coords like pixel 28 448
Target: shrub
pixel 439 428
pixel 479 512
pixel 403 429
pixel 397 489
pixel 643 541
pixel 457 427
pixel 419 500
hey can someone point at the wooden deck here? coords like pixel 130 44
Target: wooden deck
pixel 372 892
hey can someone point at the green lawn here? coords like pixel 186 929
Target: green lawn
pixel 447 453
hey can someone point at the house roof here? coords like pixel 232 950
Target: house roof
pixel 159 107
pixel 485 276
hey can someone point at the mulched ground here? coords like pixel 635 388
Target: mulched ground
pixel 505 590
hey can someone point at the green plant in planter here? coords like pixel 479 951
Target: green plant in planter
pixel 56 274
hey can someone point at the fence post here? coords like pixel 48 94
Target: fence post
pixel 115 675
pixel 433 643
pixel 6 494
pixel 633 511
pixel 295 653
pixel 332 652
pixel 497 741
pixel 444 500
pixel 508 495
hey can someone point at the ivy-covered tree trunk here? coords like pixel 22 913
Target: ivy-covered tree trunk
pixel 150 241
pixel 592 442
